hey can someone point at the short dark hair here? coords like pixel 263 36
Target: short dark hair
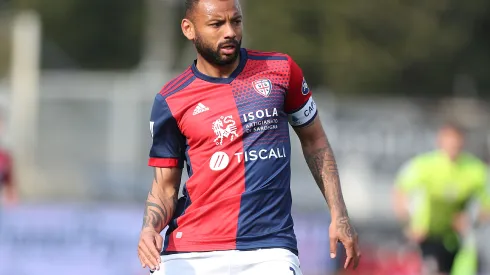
pixel 189 6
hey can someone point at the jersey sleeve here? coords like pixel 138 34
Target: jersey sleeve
pixel 410 176
pixel 299 105
pixel 168 142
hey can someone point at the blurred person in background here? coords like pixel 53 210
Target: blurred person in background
pixel 431 198
pixel 7 188
pixel 227 117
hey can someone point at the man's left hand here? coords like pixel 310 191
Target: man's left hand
pixel 342 231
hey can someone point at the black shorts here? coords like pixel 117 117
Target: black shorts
pixel 435 249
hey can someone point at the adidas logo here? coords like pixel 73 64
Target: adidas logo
pixel 200 108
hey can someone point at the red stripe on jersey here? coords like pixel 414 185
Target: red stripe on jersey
pixel 218 179
pixel 163 163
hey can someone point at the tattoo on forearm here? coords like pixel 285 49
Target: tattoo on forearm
pixel 154 214
pixel 159 209
pixel 323 166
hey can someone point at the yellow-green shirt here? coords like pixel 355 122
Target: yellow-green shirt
pixel 440 188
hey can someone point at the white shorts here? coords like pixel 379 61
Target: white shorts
pixel 274 261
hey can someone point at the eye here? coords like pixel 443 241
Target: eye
pixel 216 24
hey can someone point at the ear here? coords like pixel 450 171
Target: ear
pixel 188 29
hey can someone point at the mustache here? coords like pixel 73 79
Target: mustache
pixel 233 42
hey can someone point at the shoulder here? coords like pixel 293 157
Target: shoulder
pixel 177 83
pixel 427 158
pixel 474 161
pixel 263 55
pixel 282 62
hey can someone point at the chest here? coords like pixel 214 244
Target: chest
pixel 219 113
pixel 451 183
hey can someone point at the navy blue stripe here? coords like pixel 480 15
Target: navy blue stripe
pixel 182 204
pixel 266 57
pixel 165 243
pixel 185 201
pixel 188 201
pixel 188 159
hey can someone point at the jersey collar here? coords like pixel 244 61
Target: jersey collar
pixel 227 80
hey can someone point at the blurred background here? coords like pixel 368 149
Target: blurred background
pixel 78 77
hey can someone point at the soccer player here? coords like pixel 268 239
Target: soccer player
pixel 432 192
pixel 226 117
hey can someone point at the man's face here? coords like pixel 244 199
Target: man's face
pixel 451 141
pixel 217 33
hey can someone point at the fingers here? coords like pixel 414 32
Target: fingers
pixel 348 261
pixel 357 259
pixel 353 253
pixel 333 246
pixel 146 252
pixel 140 257
pixel 144 260
pixel 152 249
pixel 357 252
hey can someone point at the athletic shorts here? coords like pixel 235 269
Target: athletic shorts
pixel 274 261
pixel 435 251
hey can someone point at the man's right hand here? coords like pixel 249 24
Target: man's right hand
pixel 149 248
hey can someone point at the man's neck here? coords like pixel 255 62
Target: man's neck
pixel 216 71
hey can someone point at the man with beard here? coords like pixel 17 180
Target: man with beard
pixel 227 117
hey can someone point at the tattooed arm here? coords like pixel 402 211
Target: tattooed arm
pixel 160 207
pixel 321 161
pixel 162 198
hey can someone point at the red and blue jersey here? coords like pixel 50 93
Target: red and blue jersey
pixel 232 134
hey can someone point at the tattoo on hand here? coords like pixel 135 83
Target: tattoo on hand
pixel 344 228
pixel 323 166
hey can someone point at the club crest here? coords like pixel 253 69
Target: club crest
pixel 263 87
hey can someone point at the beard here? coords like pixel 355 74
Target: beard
pixel 213 55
